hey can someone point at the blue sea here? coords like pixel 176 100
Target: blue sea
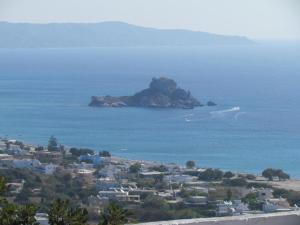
pixel 256 124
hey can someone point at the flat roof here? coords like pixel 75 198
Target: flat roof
pixel 220 219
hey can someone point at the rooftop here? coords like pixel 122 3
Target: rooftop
pixel 286 218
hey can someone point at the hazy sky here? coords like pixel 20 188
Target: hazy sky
pixel 252 18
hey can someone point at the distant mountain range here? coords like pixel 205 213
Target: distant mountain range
pixel 105 34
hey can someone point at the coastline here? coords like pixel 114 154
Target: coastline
pixel 291 184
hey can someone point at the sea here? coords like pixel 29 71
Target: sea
pixel 256 124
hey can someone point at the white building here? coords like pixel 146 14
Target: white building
pixel 94 159
pixel 119 195
pixel 106 183
pixel 179 178
pixel 2 145
pixel 15 150
pixel 42 218
pixel 228 208
pixel 48 169
pixel 276 205
pixel 263 193
pixel 26 163
pixel 35 165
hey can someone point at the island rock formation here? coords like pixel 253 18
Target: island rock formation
pixel 161 93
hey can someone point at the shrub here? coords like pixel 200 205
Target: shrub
pixel 211 175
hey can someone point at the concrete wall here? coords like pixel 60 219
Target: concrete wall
pixel 286 218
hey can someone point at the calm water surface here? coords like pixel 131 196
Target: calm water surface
pixel 255 125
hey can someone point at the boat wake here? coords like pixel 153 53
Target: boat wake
pixel 231 113
pixel 236 117
pixel 233 109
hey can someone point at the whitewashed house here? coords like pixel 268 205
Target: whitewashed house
pixel 180 178
pixel 276 205
pixel 229 208
pixel 15 150
pixel 26 163
pixel 3 146
pixel 48 169
pixel 264 194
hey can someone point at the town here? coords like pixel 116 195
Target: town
pixel 151 191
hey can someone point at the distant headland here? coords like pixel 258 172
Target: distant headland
pixel 105 34
pixel 161 93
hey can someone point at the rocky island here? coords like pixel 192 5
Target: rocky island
pixel 161 93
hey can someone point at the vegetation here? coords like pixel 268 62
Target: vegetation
pixel 58 185
pixel 12 214
pixel 53 144
pixel 184 193
pixel 104 154
pixel 237 182
pixel 190 164
pixel 114 215
pixel 211 175
pixel 228 174
pixel 293 197
pixel 250 177
pixel 156 208
pixel 252 201
pixel 81 151
pixel 272 173
pixel 61 213
pixel 228 195
pixel 258 185
pixel 135 168
pixel 39 148
pixel 160 168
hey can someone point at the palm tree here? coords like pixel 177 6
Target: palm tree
pixel 8 214
pixel 12 214
pixel 26 215
pixel 61 213
pixel 114 215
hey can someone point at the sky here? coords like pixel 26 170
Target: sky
pixel 260 19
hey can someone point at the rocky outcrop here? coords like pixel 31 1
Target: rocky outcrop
pixel 162 93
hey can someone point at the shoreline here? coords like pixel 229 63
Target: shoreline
pixel 291 184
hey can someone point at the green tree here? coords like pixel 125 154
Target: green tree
pixel 8 214
pixel 61 213
pixel 271 173
pixel 268 173
pixel 135 168
pixel 282 175
pixel 160 168
pixel 114 215
pixel 228 174
pixel 237 182
pixel 250 177
pixel 25 215
pixel 52 144
pixel 190 164
pixel 2 188
pixel 81 151
pixel 104 154
pixel 228 195
pixel 211 174
pixel 252 201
